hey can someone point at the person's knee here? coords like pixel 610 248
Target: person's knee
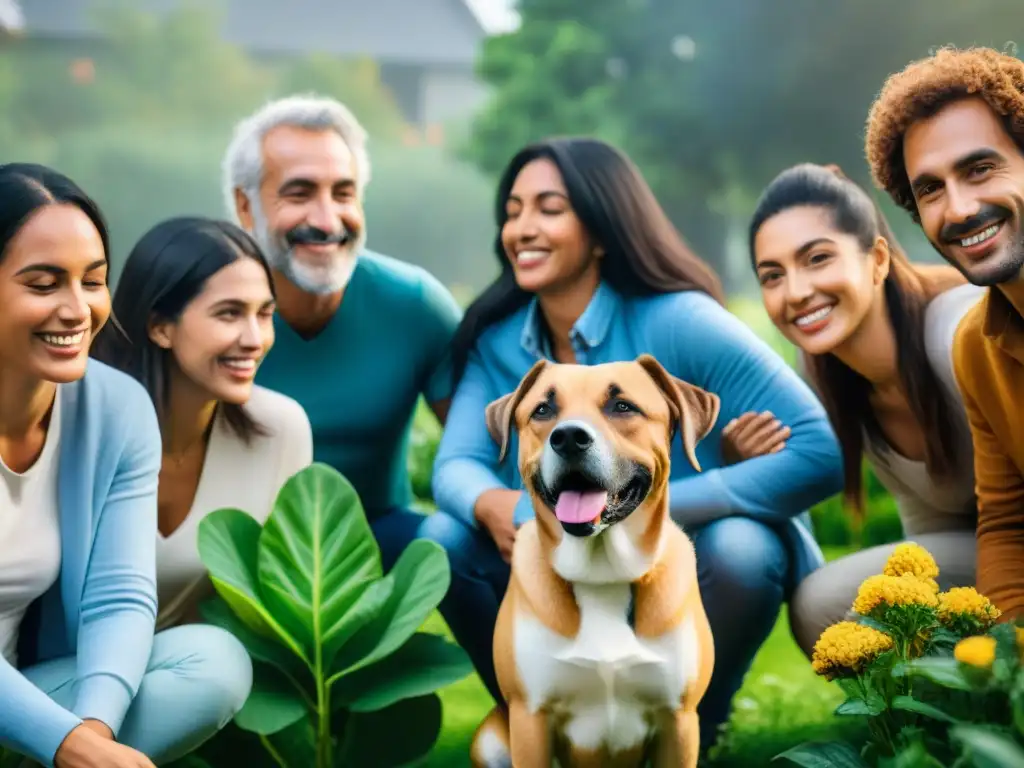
pixel 457 539
pixel 220 667
pixel 814 605
pixel 742 558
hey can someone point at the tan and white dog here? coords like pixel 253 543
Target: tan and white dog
pixel 602 647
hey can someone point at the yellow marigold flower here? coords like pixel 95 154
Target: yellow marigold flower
pixel 978 651
pixel 1020 637
pixel 966 601
pixel 910 559
pixel 845 648
pixel 892 590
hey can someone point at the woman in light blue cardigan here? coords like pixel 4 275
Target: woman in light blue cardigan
pixel 593 272
pixel 83 680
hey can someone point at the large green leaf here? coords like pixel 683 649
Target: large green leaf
pixel 416 584
pixel 399 735
pixel 910 704
pixel 317 555
pixel 292 748
pixel 943 670
pixel 218 613
pixel 857 706
pixel 424 664
pixel 823 754
pixel 228 541
pixel 273 704
pixel 189 761
pixel 984 742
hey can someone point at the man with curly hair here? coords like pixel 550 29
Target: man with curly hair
pixel 945 139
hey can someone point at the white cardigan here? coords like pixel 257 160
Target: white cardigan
pixel 247 477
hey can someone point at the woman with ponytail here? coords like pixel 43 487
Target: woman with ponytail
pixel 876 333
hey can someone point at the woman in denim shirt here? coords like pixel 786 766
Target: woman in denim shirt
pixel 592 271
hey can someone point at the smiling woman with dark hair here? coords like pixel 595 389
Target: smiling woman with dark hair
pixel 80 668
pixel 196 303
pixel 592 271
pixel 876 334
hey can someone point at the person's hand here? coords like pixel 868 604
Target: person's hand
pixel 494 511
pixel 85 748
pixel 99 728
pixel 753 434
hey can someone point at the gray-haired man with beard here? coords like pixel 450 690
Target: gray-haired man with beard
pixel 360 336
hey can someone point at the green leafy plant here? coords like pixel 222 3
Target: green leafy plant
pixel 936 680
pixel 339 664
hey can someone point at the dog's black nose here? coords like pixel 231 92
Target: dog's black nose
pixel 570 440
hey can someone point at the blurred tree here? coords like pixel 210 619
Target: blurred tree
pixel 175 68
pixel 355 83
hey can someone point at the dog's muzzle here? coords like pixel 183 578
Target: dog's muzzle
pixel 585 483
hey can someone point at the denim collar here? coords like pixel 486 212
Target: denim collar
pixel 589 331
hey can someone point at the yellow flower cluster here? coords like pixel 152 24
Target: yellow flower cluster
pixel 978 651
pixel 893 591
pixel 908 579
pixel 910 559
pixel 966 602
pixel 845 648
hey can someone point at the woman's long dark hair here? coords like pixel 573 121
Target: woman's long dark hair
pixel 643 252
pixel 27 187
pixel 908 289
pixel 164 273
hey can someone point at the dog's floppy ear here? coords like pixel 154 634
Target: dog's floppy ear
pixel 695 409
pixel 501 413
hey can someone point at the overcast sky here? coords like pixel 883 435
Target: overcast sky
pixel 495 15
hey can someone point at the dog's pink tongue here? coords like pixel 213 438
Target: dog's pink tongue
pixel 580 507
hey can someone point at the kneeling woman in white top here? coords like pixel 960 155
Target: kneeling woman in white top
pixel 196 302
pixel 876 334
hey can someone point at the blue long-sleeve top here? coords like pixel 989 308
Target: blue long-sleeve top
pixel 102 609
pixel 695 339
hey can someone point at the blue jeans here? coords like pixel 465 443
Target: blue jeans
pixel 197 680
pixel 394 529
pixel 742 569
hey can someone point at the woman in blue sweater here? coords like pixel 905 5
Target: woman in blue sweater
pixel 83 681
pixel 592 271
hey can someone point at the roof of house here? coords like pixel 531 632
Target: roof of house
pixel 389 31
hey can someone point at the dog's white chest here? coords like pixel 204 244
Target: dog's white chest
pixel 605 685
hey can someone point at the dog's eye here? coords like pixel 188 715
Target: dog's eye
pixel 542 411
pixel 620 406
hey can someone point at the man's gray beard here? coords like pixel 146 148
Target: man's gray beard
pixel 320 281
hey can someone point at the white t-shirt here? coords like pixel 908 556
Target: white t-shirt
pixel 927 504
pixel 30 548
pixel 246 477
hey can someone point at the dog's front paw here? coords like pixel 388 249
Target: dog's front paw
pixel 491 747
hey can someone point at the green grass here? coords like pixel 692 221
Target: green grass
pixel 781 704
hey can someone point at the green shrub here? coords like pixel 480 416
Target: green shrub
pixel 831 522
pixel 881 523
pixel 423 442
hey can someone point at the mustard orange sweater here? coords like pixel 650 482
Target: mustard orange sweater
pixel 988 359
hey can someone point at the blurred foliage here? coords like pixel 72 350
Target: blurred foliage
pixel 141 119
pixel 357 85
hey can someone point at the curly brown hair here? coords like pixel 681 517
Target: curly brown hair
pixel 926 86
